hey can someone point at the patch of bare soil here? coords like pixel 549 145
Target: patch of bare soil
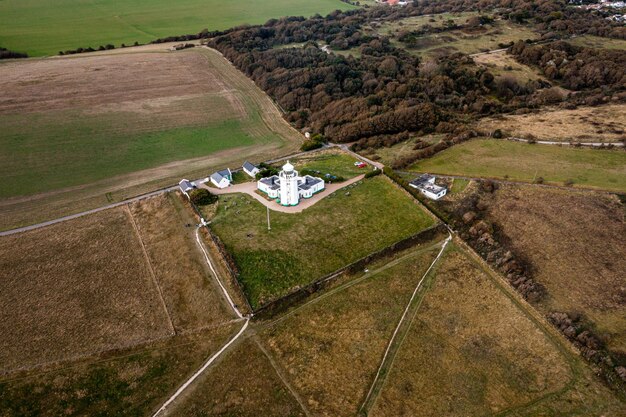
pixel 74 289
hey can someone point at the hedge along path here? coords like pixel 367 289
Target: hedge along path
pixel 393 346
pixel 213 358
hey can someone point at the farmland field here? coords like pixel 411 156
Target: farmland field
pixel 585 124
pixel 80 132
pixel 578 258
pixel 341 228
pixel 474 349
pixel 40 27
pixel 107 313
pixel 603 169
pixel 76 288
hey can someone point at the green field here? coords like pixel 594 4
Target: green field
pixel 41 27
pixel 305 246
pixel 334 163
pixel 80 132
pixel 603 169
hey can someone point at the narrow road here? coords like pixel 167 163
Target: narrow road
pixel 512 182
pixel 84 213
pixel 589 144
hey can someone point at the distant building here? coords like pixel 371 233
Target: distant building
pixel 222 179
pixel 426 184
pixel 288 187
pixel 250 169
pixel 186 186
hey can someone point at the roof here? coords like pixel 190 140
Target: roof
pixel 249 167
pixel 225 172
pixel 309 182
pixel 421 180
pixel 217 176
pixel 185 185
pixel 271 182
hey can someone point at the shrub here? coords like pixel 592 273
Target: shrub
pixel 497 134
pixel 202 197
pixel 373 173
pixel 310 144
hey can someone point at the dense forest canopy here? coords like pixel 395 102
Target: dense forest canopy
pixel 387 90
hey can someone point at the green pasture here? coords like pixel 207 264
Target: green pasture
pixel 302 247
pixel 43 27
pixel 490 158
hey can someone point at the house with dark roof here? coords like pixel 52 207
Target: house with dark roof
pixel 186 186
pixel 250 169
pixel 222 179
pixel 426 185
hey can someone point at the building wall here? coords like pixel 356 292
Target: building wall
pixel 289 193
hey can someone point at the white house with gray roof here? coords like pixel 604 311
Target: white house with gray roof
pixel 288 187
pixel 250 169
pixel 222 179
pixel 186 186
pixel 426 184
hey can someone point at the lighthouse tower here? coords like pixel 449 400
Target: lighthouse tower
pixel 289 195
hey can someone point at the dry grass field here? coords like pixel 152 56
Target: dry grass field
pixel 576 243
pixel 330 349
pixel 192 297
pixel 75 289
pixel 475 350
pixel 87 331
pixel 83 131
pixel 501 64
pixel 584 124
pixel 244 384
pixel 130 383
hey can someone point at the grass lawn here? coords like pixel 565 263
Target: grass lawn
pixel 335 163
pixel 303 247
pixel 603 169
pixel 41 27
pixel 458 185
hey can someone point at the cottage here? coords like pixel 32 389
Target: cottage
pixel 186 186
pixel 250 169
pixel 222 179
pixel 288 187
pixel 426 184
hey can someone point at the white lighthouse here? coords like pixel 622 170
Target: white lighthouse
pixel 289 194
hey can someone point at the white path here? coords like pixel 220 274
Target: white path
pixel 246 320
pixel 404 314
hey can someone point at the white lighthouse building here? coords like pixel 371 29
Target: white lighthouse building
pixel 289 195
pixel 288 187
